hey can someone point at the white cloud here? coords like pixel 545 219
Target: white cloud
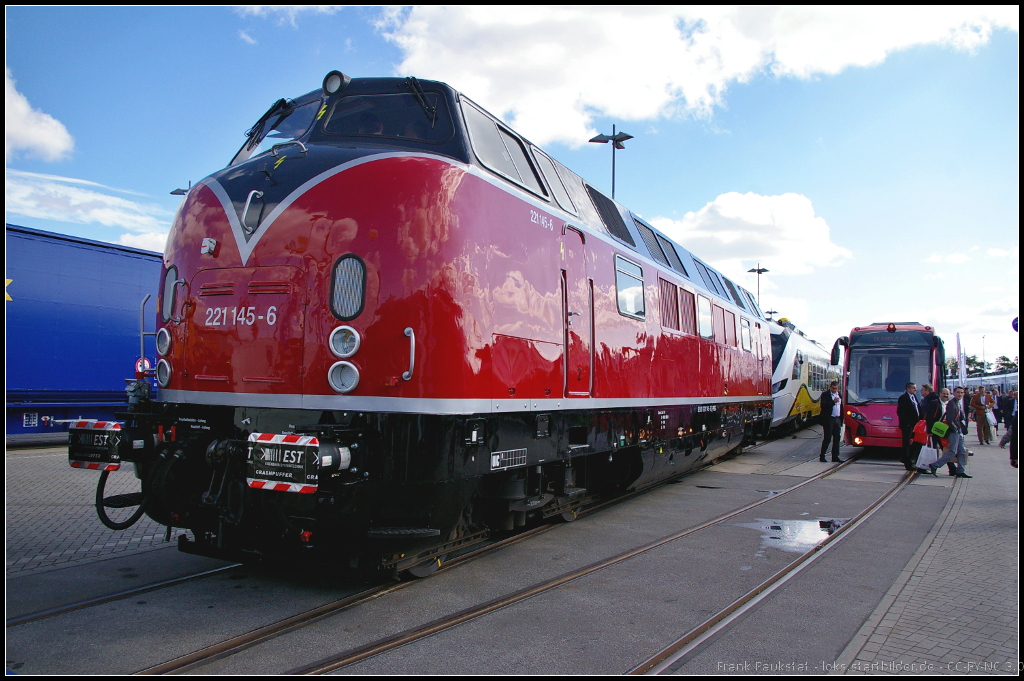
pixel 24 174
pixel 999 252
pixel 51 197
pixel 246 37
pixel 550 70
pixel 31 131
pixel 737 231
pixel 150 241
pixel 285 13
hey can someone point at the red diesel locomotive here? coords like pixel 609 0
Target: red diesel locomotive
pixel 392 325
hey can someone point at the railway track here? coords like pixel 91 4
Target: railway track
pixel 671 657
pixel 249 639
pixel 386 644
pixel 129 593
pixel 116 596
pixel 236 644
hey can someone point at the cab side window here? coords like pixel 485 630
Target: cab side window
pixel 629 284
pixel 704 324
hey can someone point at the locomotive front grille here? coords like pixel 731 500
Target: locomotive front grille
pixel 348 287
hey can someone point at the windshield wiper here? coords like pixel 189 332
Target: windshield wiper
pixel 421 97
pixel 255 133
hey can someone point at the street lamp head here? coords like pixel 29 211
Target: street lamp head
pixel 758 270
pixel 616 139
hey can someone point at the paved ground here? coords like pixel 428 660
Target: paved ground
pixel 954 609
pixel 51 517
pixel 942 598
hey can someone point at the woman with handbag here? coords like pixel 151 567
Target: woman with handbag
pixel 949 428
pixel 982 406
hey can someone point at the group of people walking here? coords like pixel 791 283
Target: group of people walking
pixel 953 411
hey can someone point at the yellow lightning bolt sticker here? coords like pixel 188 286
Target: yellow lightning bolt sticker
pixel 7 296
pixel 279 162
pixel 322 110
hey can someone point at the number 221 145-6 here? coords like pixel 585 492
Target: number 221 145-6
pixel 223 316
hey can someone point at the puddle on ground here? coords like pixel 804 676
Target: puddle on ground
pixel 793 536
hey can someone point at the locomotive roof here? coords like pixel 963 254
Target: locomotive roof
pixel 597 212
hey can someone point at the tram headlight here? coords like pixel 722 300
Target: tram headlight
pixel 163 372
pixel 163 341
pixel 345 342
pixel 343 377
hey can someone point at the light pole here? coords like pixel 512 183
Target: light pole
pixel 616 140
pixel 759 271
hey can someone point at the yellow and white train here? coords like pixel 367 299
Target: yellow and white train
pixel 800 372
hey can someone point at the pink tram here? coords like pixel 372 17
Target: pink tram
pixel 880 360
pixel 391 326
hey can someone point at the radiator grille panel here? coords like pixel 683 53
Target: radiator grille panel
pixel 349 287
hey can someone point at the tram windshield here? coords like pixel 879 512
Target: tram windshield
pixel 283 123
pixel 397 116
pixel 881 374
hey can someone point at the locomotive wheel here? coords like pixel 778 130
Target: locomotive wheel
pixel 123 509
pixel 570 515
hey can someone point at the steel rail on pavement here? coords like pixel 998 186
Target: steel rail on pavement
pixel 99 600
pixel 410 635
pixel 684 647
pixel 236 644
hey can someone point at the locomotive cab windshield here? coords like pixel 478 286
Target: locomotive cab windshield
pixel 421 117
pixel 286 121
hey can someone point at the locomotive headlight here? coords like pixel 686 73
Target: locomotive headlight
pixel 335 81
pixel 163 341
pixel 344 341
pixel 343 377
pixel 334 457
pixel 163 372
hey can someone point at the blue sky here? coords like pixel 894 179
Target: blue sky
pixel 867 157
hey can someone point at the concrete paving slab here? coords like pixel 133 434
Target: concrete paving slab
pixel 954 608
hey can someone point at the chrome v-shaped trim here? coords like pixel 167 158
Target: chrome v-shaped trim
pixel 245 248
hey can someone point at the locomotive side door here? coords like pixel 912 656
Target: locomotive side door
pixel 577 306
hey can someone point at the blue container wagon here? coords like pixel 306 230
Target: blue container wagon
pixel 72 329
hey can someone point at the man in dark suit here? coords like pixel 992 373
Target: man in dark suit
pixel 832 420
pixel 908 411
